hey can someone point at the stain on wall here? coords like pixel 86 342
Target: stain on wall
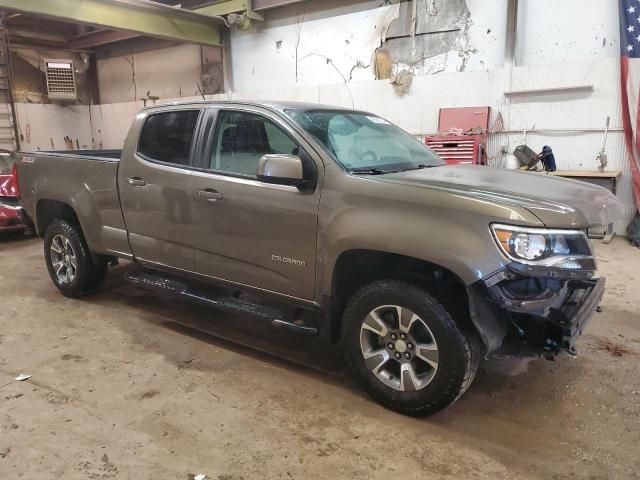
pixel 211 78
pixel 173 71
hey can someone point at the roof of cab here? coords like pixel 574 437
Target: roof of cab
pixel 273 105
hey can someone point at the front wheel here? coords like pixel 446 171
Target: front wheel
pixel 405 349
pixel 69 261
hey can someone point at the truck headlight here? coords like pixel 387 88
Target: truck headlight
pixel 559 249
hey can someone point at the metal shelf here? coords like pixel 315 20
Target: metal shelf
pixel 550 90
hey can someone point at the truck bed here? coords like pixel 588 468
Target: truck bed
pixel 85 181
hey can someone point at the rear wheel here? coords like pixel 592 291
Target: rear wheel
pixel 69 261
pixel 406 350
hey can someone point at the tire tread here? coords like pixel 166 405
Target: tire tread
pixel 462 372
pixel 91 275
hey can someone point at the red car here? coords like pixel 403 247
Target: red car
pixel 10 210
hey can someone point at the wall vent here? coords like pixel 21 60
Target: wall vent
pixel 61 83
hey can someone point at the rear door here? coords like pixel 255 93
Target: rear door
pixel 154 188
pixel 246 231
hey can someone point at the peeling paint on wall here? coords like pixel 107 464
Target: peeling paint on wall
pixel 315 43
pixel 357 38
pixel 401 82
pixel 438 29
pixel 320 42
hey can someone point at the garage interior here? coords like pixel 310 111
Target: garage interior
pixel 131 383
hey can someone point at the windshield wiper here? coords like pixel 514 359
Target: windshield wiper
pixel 420 167
pixel 370 171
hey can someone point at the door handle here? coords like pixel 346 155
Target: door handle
pixel 136 182
pixel 209 194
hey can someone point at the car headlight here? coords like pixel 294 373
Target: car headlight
pixel 559 249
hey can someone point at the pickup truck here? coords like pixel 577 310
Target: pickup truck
pixel 342 225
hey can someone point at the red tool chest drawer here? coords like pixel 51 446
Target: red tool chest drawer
pixel 456 149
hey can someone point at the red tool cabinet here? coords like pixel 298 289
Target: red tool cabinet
pixel 455 149
pixel 463 136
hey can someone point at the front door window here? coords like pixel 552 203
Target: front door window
pixel 242 138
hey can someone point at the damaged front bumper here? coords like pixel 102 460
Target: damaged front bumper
pixel 525 316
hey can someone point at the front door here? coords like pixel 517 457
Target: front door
pixel 245 231
pixel 154 189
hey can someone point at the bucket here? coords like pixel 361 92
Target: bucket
pixel 512 162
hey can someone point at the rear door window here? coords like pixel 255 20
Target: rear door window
pixel 167 137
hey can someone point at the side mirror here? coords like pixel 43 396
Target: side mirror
pixel 281 169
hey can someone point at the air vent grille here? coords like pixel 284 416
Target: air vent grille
pixel 61 84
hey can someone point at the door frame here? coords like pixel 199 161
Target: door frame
pixel 203 156
pixel 209 122
pixel 197 137
pixel 136 157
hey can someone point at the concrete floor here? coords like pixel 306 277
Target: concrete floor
pixel 128 384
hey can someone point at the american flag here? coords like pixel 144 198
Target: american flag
pixel 630 77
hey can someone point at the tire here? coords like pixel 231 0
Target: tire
pixel 69 260
pixel 442 358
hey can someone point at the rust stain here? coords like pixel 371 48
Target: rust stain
pixel 608 346
pixel 383 64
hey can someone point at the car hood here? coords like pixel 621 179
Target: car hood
pixel 557 202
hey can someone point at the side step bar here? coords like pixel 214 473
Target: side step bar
pixel 230 303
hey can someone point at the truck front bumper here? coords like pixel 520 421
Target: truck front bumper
pixel 577 311
pixel 542 323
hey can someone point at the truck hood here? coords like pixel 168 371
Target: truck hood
pixel 557 202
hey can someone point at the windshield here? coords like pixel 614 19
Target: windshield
pixel 365 143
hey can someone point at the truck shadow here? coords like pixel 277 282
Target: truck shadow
pixel 259 339
pixel 15 238
pixel 237 332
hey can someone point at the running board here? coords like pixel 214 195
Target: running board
pixel 231 303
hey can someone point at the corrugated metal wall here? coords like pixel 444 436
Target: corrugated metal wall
pixel 572 123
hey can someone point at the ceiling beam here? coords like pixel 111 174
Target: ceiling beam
pixel 259 5
pixel 101 37
pixel 224 7
pixel 17 40
pixel 140 16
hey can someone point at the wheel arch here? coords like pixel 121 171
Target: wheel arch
pixel 48 210
pixel 356 268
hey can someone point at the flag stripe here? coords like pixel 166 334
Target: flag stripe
pixel 630 86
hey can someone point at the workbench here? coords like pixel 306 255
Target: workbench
pixel 607 179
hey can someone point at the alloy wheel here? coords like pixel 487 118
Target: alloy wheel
pixel 63 259
pixel 399 348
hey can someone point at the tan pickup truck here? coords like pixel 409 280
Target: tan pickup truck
pixel 347 226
